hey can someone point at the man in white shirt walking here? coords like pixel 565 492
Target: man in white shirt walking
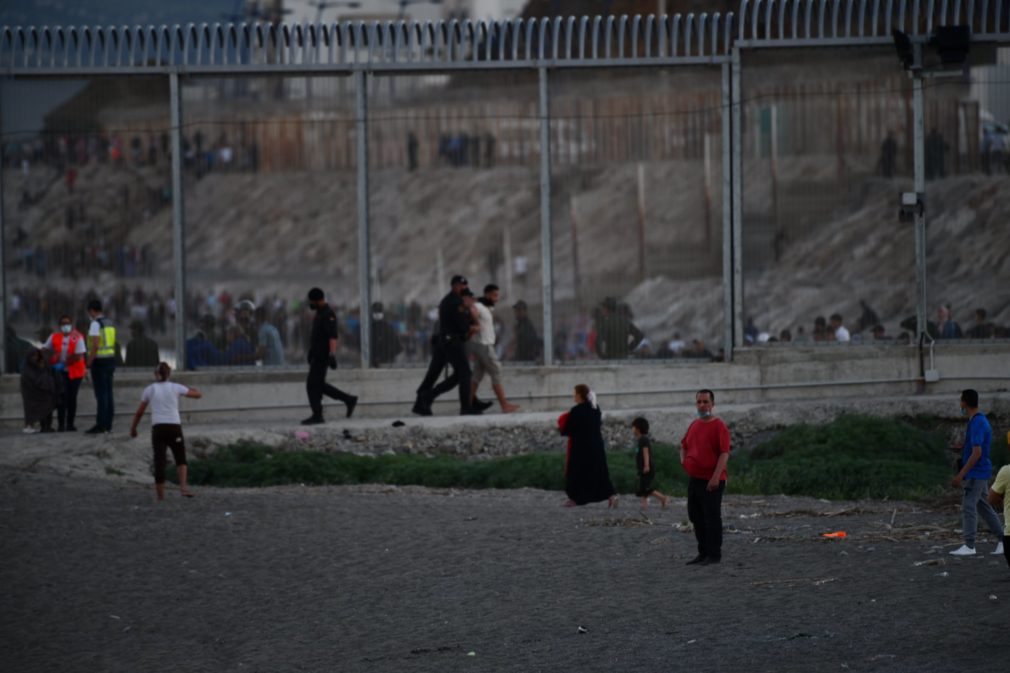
pixel 481 347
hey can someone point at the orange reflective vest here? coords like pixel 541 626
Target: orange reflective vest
pixel 76 370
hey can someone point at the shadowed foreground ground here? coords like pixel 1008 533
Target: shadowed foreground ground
pixel 97 577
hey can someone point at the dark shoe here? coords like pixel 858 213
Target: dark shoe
pixel 350 406
pixel 710 560
pixel 472 411
pixel 422 405
pixel 700 558
pixel 61 428
pixel 94 430
pixel 483 406
pixel 71 428
pixel 313 420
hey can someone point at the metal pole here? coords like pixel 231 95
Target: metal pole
pixel 919 148
pixel 178 223
pixel 737 234
pixel 3 271
pixel 728 144
pixel 364 249
pixel 546 242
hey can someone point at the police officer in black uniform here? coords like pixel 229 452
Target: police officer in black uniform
pixel 449 348
pixel 323 353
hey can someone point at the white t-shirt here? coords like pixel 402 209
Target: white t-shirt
pixel 842 334
pixel 163 398
pixel 486 334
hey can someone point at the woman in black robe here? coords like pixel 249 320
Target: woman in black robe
pixel 38 392
pixel 587 478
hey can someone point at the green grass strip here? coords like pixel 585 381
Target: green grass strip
pixel 851 458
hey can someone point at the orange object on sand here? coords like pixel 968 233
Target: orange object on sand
pixel 836 534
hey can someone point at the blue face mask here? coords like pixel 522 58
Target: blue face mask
pixel 964 412
pixel 702 414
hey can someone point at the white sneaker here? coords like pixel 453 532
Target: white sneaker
pixel 30 430
pixel 998 550
pixel 964 550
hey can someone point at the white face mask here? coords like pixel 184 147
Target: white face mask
pixel 66 328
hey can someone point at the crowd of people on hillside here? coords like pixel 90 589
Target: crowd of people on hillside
pixel 869 328
pixel 243 329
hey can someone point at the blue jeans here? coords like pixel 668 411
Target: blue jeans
pixel 102 370
pixel 974 503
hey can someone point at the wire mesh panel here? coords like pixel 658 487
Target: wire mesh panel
pixel 270 203
pixel 967 152
pixel 637 214
pixel 454 187
pixel 87 211
pixel 826 151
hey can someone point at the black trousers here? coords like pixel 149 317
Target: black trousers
pixel 452 352
pixel 1006 548
pixel 66 411
pixel 704 509
pixel 316 386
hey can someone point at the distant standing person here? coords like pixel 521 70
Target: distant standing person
pixel 385 339
pixel 102 363
pixel 973 477
pixel 527 343
pixel 449 348
pixel 166 426
pixel 999 495
pixel 142 351
pixel 704 453
pixel 68 355
pixel 588 477
pixel 481 346
pixel 323 354
pixel 644 464
pixel 838 330
pixel 270 348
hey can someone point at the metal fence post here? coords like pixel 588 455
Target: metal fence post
pixel 178 223
pixel 737 220
pixel 364 249
pixel 546 240
pixel 919 148
pixel 3 271
pixel 727 216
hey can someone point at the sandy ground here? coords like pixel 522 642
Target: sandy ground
pixel 97 576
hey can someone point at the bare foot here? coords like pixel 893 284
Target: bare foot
pixel 645 504
pixel 665 500
pixel 568 503
pixel 187 494
pixel 509 408
pixel 612 502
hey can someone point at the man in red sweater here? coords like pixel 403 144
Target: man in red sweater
pixel 704 452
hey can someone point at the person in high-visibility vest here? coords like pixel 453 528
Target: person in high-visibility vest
pixel 68 355
pixel 102 363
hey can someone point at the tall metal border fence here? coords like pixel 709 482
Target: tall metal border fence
pixel 544 47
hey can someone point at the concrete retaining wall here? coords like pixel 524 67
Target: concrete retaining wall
pixel 757 375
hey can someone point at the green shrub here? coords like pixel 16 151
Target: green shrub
pixel 852 457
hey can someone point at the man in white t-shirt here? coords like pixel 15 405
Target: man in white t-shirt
pixel 841 334
pixel 481 347
pixel 166 426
